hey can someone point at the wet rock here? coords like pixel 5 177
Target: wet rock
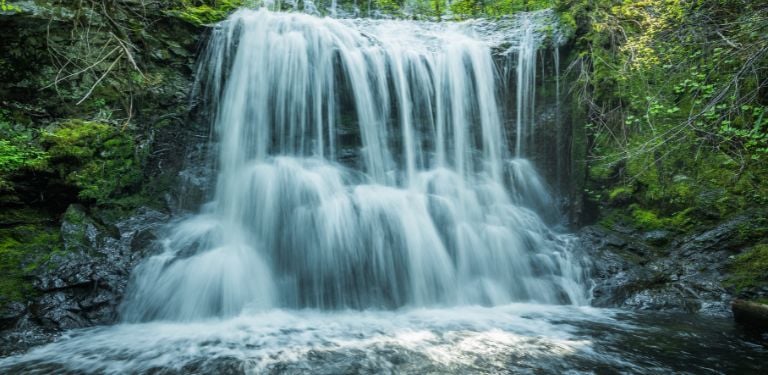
pixel 11 312
pixel 81 286
pixel 652 271
pixel 658 237
pixel 58 310
pixel 751 315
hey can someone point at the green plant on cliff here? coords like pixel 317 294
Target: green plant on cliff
pixel 208 11
pixel 98 159
pixel 474 8
pixel 15 158
pixel 5 6
pixel 676 94
pixel 23 249
pixel 18 153
pixel 749 270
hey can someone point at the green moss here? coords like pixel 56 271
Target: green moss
pixel 207 13
pixel 98 159
pixel 600 171
pixel 621 193
pixel 690 128
pixel 23 248
pixel 18 154
pixel 753 230
pixel 749 270
pixel 646 219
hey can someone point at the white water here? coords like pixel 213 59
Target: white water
pixel 430 209
pixel 368 201
pixel 464 339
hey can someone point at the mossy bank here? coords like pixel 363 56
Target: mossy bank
pixel 94 123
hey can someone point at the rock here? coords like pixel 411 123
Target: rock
pixel 83 286
pixel 657 237
pixel 751 315
pixel 59 311
pixel 649 271
pixel 722 236
pixel 10 313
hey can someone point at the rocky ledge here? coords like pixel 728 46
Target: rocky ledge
pixel 81 285
pixel 663 271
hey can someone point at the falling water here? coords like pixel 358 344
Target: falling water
pixel 371 216
pixel 526 84
pixel 430 208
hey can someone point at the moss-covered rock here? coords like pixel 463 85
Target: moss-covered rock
pixel 205 13
pixel 100 160
pixel 23 249
pixel 748 272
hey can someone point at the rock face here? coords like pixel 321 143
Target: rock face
pixel 82 285
pixel 656 271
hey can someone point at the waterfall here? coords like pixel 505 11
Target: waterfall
pixel 526 85
pixel 361 164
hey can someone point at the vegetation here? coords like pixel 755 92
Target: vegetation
pixel 750 269
pixel 98 159
pixel 23 249
pixel 676 97
pixel 202 12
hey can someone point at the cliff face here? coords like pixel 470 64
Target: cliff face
pixel 95 125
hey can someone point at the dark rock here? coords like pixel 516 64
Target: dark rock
pixel 82 287
pixel 58 310
pixel 751 315
pixel 650 271
pixel 10 313
pixel 723 236
pixel 658 237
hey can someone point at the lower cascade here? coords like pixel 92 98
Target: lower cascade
pixel 361 164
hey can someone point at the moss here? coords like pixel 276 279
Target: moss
pixel 646 219
pixel 98 159
pixel 620 194
pixel 23 248
pixel 754 229
pixel 600 171
pixel 76 219
pixel 205 14
pixel 749 269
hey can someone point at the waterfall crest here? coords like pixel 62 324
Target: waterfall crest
pixel 361 164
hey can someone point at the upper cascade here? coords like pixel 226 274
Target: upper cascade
pixel 361 164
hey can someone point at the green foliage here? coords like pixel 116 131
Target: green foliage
pixel 18 152
pixel 750 269
pixel 7 7
pixel 496 8
pixel 207 12
pixel 98 159
pixel 203 12
pixel 646 219
pixel 674 112
pixel 620 193
pixel 15 159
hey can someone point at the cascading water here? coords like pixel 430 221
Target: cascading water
pixel 362 164
pixel 371 215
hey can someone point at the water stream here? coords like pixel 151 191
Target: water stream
pixel 372 213
pixel 362 164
